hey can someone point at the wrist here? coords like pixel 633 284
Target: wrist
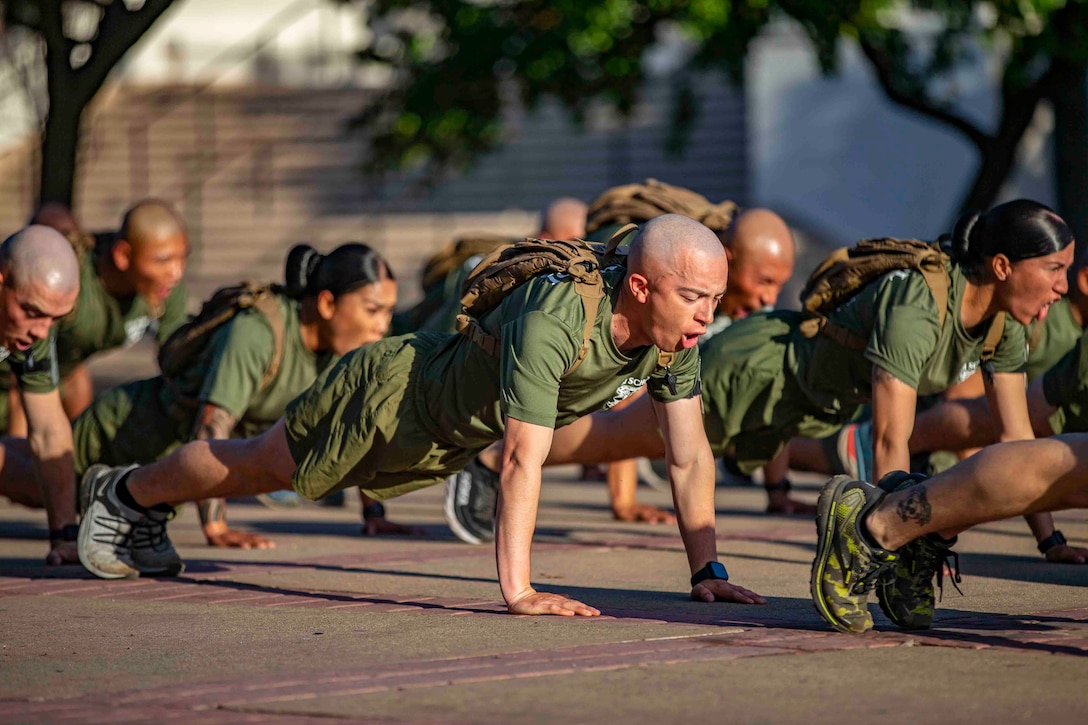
pixel 70 532
pixel 375 510
pixel 711 570
pixel 1057 538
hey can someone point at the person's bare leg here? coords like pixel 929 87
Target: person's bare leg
pixel 376 524
pixel 953 425
pixel 17 477
pixel 76 392
pixel 216 469
pixel 808 454
pixel 999 482
pixel 608 436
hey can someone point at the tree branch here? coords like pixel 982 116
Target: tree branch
pixel 118 31
pixel 884 76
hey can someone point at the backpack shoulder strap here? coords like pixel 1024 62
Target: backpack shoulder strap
pixel 265 302
pixel 938 282
pixel 993 337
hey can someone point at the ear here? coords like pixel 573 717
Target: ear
pixel 1082 281
pixel 639 287
pixel 121 254
pixel 1001 267
pixel 326 305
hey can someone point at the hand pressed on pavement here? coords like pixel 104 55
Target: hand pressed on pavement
pixel 534 602
pixel 217 534
pixel 719 590
pixel 643 513
pixel 61 553
pixel 1066 554
pixel 381 526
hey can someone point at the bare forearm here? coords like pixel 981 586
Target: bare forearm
pixel 693 496
pixel 889 454
pixel 55 472
pixel 515 524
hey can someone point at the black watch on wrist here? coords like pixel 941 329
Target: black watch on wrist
pixel 1055 539
pixel 713 570
pixel 375 510
pixel 65 533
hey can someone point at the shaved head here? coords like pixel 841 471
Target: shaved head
pixel 761 258
pixel 150 223
pixel 39 283
pixel 57 216
pixel 564 218
pixel 677 270
pixel 39 256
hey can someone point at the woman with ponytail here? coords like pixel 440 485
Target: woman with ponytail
pixel 247 371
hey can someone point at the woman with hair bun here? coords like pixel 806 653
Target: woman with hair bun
pixel 329 304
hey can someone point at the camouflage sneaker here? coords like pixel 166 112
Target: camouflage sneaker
pixel 906 594
pixel 847 564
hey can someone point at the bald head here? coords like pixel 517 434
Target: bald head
pixel 57 216
pixel 564 218
pixel 761 257
pixel 677 269
pixel 150 223
pixel 41 257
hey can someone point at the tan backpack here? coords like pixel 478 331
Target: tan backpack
pixel 185 345
pixel 847 270
pixel 642 202
pixel 456 253
pixel 512 265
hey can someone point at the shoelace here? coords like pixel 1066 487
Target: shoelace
pixel 867 581
pixel 941 559
pixel 150 533
pixel 121 528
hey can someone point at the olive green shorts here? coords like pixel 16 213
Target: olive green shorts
pixel 1065 386
pixel 361 425
pixel 130 424
pixel 752 403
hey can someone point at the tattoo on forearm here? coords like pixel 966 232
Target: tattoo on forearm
pixel 915 507
pixel 213 422
pixel 212 510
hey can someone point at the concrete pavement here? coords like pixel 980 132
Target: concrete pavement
pixel 333 627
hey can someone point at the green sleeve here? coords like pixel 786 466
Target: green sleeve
pixel 537 348
pixel 37 371
pixel 685 366
pixel 174 314
pixel 1011 355
pixel 906 327
pixel 240 353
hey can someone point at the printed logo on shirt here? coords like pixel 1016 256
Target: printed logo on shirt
pixel 49 362
pixel 967 371
pixel 4 352
pixel 626 389
pixel 136 328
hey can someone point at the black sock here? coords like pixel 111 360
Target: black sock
pixel 125 496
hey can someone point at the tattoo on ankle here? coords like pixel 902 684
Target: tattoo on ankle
pixel 915 507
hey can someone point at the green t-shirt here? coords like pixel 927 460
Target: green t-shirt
pixel 103 322
pixel 465 392
pixel 36 369
pixel 898 316
pixel 229 371
pixel 1051 339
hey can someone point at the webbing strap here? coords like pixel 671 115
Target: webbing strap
pixel 993 337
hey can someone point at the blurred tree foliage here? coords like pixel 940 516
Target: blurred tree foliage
pixel 82 41
pixel 454 63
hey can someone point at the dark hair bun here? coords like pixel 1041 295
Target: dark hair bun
pixel 302 261
pixel 961 237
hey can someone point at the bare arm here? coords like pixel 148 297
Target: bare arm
pixel 894 405
pixel 1012 422
pixel 525 446
pixel 50 438
pixel 691 474
pixel 213 422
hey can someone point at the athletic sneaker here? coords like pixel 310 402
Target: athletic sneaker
pixel 284 499
pixel 118 542
pixel 471 500
pixel 854 450
pixel 847 565
pixel 906 595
